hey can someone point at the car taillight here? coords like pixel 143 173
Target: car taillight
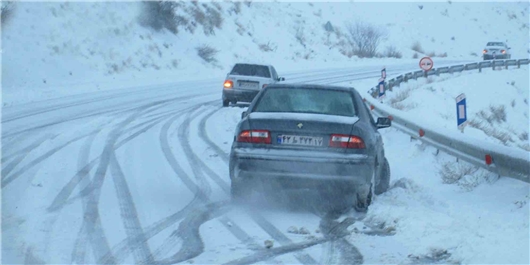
pixel 228 84
pixel 264 85
pixel 484 51
pixel 346 141
pixel 255 137
pixel 503 51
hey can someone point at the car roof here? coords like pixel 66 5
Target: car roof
pixel 253 63
pixel 314 86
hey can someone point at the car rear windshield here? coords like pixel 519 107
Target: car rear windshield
pixel 251 70
pixel 495 44
pixel 307 100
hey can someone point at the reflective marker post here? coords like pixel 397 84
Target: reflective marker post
pixel 381 87
pixel 461 112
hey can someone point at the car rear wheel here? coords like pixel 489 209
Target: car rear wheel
pixel 363 201
pixel 226 102
pixel 384 179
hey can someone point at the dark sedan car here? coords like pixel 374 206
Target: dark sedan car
pixel 312 137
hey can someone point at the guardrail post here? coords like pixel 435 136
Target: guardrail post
pixel 506 64
pixel 518 64
pixel 493 65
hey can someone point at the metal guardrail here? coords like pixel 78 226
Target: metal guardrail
pixel 506 161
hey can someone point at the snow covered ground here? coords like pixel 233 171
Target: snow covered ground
pixel 149 183
pixel 78 47
pixel 131 166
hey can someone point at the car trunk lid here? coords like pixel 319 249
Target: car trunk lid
pixel 301 130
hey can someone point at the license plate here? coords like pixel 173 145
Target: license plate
pixel 248 84
pixel 300 140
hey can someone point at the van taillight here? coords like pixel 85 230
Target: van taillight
pixel 346 141
pixel 254 136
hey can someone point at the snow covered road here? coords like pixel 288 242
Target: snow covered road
pixel 141 176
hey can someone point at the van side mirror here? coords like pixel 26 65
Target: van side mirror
pixel 243 114
pixel 383 123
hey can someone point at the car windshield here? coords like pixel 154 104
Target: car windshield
pixel 307 100
pixel 495 44
pixel 251 70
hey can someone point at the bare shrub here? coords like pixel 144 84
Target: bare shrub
pixel 161 14
pixel 240 29
pixel 268 47
pixel 364 38
pixel 416 46
pixel 404 107
pixel 300 37
pixel 392 52
pixel 431 54
pixel 523 136
pixel 474 54
pixel 415 56
pixel 503 137
pixel 442 55
pixel 207 53
pixel 513 103
pixel 430 80
pixel 400 96
pixel 452 173
pixel 496 114
pixel 7 10
pixel 236 8
pixel 175 63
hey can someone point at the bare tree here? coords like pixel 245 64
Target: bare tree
pixel 364 38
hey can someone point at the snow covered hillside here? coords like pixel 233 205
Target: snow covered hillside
pixel 497 103
pixel 55 49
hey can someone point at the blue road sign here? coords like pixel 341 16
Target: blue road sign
pixel 381 87
pixel 461 111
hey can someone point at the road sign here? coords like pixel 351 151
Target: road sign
pixel 461 111
pixel 381 87
pixel 426 63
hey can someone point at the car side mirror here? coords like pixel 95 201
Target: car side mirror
pixel 281 78
pixel 383 123
pixel 243 114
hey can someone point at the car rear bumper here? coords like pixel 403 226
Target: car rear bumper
pixel 301 169
pixel 497 56
pixel 239 95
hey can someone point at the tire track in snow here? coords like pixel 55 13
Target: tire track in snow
pixel 123 248
pixel 62 198
pixel 8 179
pixel 129 214
pixel 25 150
pixel 91 218
pixel 201 190
pixel 194 245
pixel 80 245
pixel 258 218
pixel 189 230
